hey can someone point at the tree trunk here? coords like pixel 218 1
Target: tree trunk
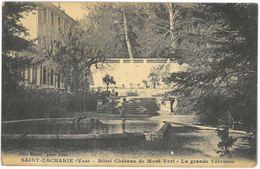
pixel 171 22
pixel 129 46
pixel 75 82
pixel 107 87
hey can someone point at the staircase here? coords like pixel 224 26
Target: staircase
pixel 110 108
pixel 134 106
pixel 142 106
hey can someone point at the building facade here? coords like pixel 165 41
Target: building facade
pixel 44 25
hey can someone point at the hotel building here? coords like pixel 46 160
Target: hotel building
pixel 43 25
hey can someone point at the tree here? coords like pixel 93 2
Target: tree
pixel 217 42
pixel 117 27
pixel 13 29
pixel 108 80
pixel 139 30
pixel 71 54
pixel 165 26
pixel 220 83
pixel 16 56
pixel 159 73
pixel 12 46
pixel 154 76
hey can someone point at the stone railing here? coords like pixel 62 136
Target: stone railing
pixel 138 60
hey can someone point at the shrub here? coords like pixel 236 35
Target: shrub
pixel 30 103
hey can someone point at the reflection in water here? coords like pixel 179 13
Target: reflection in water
pixel 57 126
pixel 54 127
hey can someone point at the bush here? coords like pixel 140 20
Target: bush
pixel 75 102
pixel 213 108
pixel 30 103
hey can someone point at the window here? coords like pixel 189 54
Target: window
pixel 44 76
pixel 23 74
pixel 34 74
pixel 65 26
pixel 59 22
pixel 51 77
pixel 44 15
pixel 41 75
pixel 52 19
pixel 58 81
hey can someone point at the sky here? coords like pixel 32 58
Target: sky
pixel 73 9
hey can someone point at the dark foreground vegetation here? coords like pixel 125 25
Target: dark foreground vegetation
pixel 32 104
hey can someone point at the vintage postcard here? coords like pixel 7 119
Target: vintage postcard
pixel 129 84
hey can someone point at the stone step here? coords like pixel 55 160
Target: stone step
pixel 134 106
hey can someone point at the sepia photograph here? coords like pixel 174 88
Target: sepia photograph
pixel 134 84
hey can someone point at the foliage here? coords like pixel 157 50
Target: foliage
pixel 226 142
pixel 13 64
pixel 154 77
pixel 117 27
pixel 165 26
pixel 12 68
pixel 109 80
pixel 12 47
pixel 35 103
pixel 12 29
pixel 220 82
pixel 71 54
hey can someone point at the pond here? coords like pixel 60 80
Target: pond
pixel 66 126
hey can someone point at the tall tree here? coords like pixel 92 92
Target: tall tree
pixel 13 29
pixel 13 44
pixel 117 26
pixel 220 83
pixel 166 24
